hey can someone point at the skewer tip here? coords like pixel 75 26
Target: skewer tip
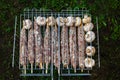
pixel 81 70
pixel 46 68
pixel 67 66
pixel 24 69
pixel 46 71
pixel 40 66
pixel 59 71
pixel 75 70
pixel 31 68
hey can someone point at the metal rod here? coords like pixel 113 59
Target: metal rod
pixel 59 47
pixel 91 44
pixel 98 42
pixel 14 42
pixel 84 74
pixel 20 22
pixel 27 40
pixel 52 56
pixel 34 74
pixel 33 26
pixel 33 69
pixel 24 71
pixel 32 64
pixel 60 69
pixel 43 37
pixel 19 40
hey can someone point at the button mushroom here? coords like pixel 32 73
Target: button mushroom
pixel 88 27
pixel 60 21
pixel 51 21
pixel 69 21
pixel 89 62
pixel 90 36
pixel 90 50
pixel 27 23
pixel 41 21
pixel 78 21
pixel 86 19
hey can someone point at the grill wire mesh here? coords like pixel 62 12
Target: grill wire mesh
pixel 30 14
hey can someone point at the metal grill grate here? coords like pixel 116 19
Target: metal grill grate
pixel 30 14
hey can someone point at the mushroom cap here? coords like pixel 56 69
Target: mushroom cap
pixel 88 27
pixel 90 50
pixel 89 19
pixel 90 36
pixel 60 21
pixel 89 62
pixel 77 21
pixel 85 16
pixel 27 23
pixel 86 19
pixel 41 21
pixel 69 21
pixel 51 21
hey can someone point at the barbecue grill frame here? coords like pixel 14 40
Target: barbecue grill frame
pixel 30 13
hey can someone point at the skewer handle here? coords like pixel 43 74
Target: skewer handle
pixel 67 67
pixel 59 71
pixel 24 69
pixel 81 70
pixel 75 70
pixel 46 71
pixel 40 66
pixel 32 68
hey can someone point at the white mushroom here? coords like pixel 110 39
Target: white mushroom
pixel 90 36
pixel 27 23
pixel 86 19
pixel 89 19
pixel 88 27
pixel 89 62
pixel 41 21
pixel 90 50
pixel 60 21
pixel 51 21
pixel 85 16
pixel 69 21
pixel 78 21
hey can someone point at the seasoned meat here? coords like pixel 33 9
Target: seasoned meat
pixel 73 47
pixel 47 53
pixel 23 48
pixel 38 45
pixel 81 47
pixel 55 50
pixel 31 47
pixel 64 46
